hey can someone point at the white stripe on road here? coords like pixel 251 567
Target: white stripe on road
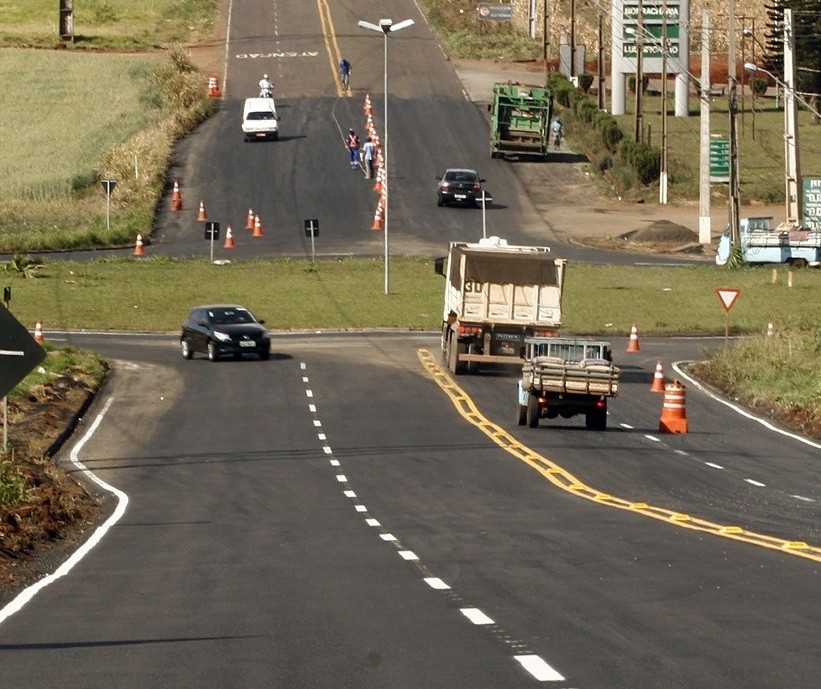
pixel 476 616
pixel 539 669
pixel 436 583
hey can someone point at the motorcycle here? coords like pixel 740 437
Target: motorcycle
pixel 266 92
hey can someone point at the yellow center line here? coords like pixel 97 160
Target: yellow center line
pixel 566 481
pixel 331 45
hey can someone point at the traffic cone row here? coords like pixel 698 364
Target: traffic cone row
pixel 367 109
pixel 214 87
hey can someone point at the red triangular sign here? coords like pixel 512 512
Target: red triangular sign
pixel 727 296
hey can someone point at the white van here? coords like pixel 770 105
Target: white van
pixel 260 119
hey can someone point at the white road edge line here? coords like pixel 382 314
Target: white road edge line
pixel 27 594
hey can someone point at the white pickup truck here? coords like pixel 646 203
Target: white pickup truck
pixel 260 119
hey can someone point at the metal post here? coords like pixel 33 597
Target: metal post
pixel 704 219
pixel 385 156
pixel 663 175
pixel 792 166
pixel 638 133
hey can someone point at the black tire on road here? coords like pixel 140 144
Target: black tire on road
pixel 521 414
pixel 185 348
pixel 265 354
pixel 532 414
pixel 212 351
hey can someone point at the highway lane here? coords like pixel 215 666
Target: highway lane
pixel 246 557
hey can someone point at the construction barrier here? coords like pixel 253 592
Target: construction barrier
pixel 673 411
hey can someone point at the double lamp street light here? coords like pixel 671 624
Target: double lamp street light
pixel 385 27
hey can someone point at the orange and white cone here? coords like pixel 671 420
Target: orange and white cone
pixel 673 412
pixel 229 239
pixel 38 332
pixel 633 344
pixel 377 217
pixel 257 227
pixel 249 222
pixel 176 198
pixel 368 110
pixel 658 379
pixel 202 214
pixel 138 246
pixel 377 186
pixel 214 87
pixel 770 330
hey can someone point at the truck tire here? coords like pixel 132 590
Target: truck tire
pixel 521 414
pixel 532 413
pixel 455 366
pixel 596 419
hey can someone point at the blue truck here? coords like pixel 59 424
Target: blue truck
pixel 763 243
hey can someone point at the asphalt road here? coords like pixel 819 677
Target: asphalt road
pixel 328 517
pixel 293 522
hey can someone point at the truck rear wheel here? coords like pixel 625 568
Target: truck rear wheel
pixel 532 413
pixel 521 414
pixel 596 419
pixel 455 366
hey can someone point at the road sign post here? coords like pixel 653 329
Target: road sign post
pixel 212 232
pixel 727 296
pixel 312 230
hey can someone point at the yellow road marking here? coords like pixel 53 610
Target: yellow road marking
pixel 331 45
pixel 566 481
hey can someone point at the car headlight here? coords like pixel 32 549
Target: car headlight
pixel 222 337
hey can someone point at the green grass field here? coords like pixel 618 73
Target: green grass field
pixel 154 295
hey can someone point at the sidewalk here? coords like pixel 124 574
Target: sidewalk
pixel 567 200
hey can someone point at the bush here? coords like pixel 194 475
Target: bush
pixel 645 160
pixel 631 83
pixel 611 133
pixel 585 81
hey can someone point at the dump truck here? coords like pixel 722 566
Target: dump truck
pixel 496 295
pixel 520 120
pixel 565 376
pixel 762 243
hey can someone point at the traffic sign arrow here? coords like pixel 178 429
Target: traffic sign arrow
pixel 19 353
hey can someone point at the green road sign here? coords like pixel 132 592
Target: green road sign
pixel 719 159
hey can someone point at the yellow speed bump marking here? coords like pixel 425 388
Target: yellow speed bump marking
pixel 566 481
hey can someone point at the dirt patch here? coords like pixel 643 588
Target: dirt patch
pixel 660 236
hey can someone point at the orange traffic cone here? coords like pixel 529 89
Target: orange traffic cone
pixel 249 222
pixel 658 379
pixel 202 214
pixel 138 246
pixel 633 345
pixel 176 198
pixel 257 227
pixel 229 239
pixel 673 413
pixel 214 88
pixel 377 217
pixel 377 186
pixel 367 108
pixel 38 332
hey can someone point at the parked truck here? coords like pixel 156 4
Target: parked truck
pixel 565 376
pixel 520 120
pixel 496 295
pixel 760 242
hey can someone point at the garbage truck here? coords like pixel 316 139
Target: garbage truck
pixel 520 120
pixel 496 295
pixel 760 242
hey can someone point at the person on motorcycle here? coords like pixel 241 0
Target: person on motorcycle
pixel 558 130
pixel 266 88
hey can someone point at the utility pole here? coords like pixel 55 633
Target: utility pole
pixel 544 39
pixel 792 166
pixel 704 219
pixel 735 236
pixel 601 59
pixel 572 38
pixel 639 128
pixel 664 47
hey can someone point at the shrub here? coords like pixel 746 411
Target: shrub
pixel 611 133
pixel 631 83
pixel 759 85
pixel 585 81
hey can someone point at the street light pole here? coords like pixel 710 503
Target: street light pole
pixel 386 26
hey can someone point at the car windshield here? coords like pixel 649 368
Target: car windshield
pixel 461 177
pixel 230 316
